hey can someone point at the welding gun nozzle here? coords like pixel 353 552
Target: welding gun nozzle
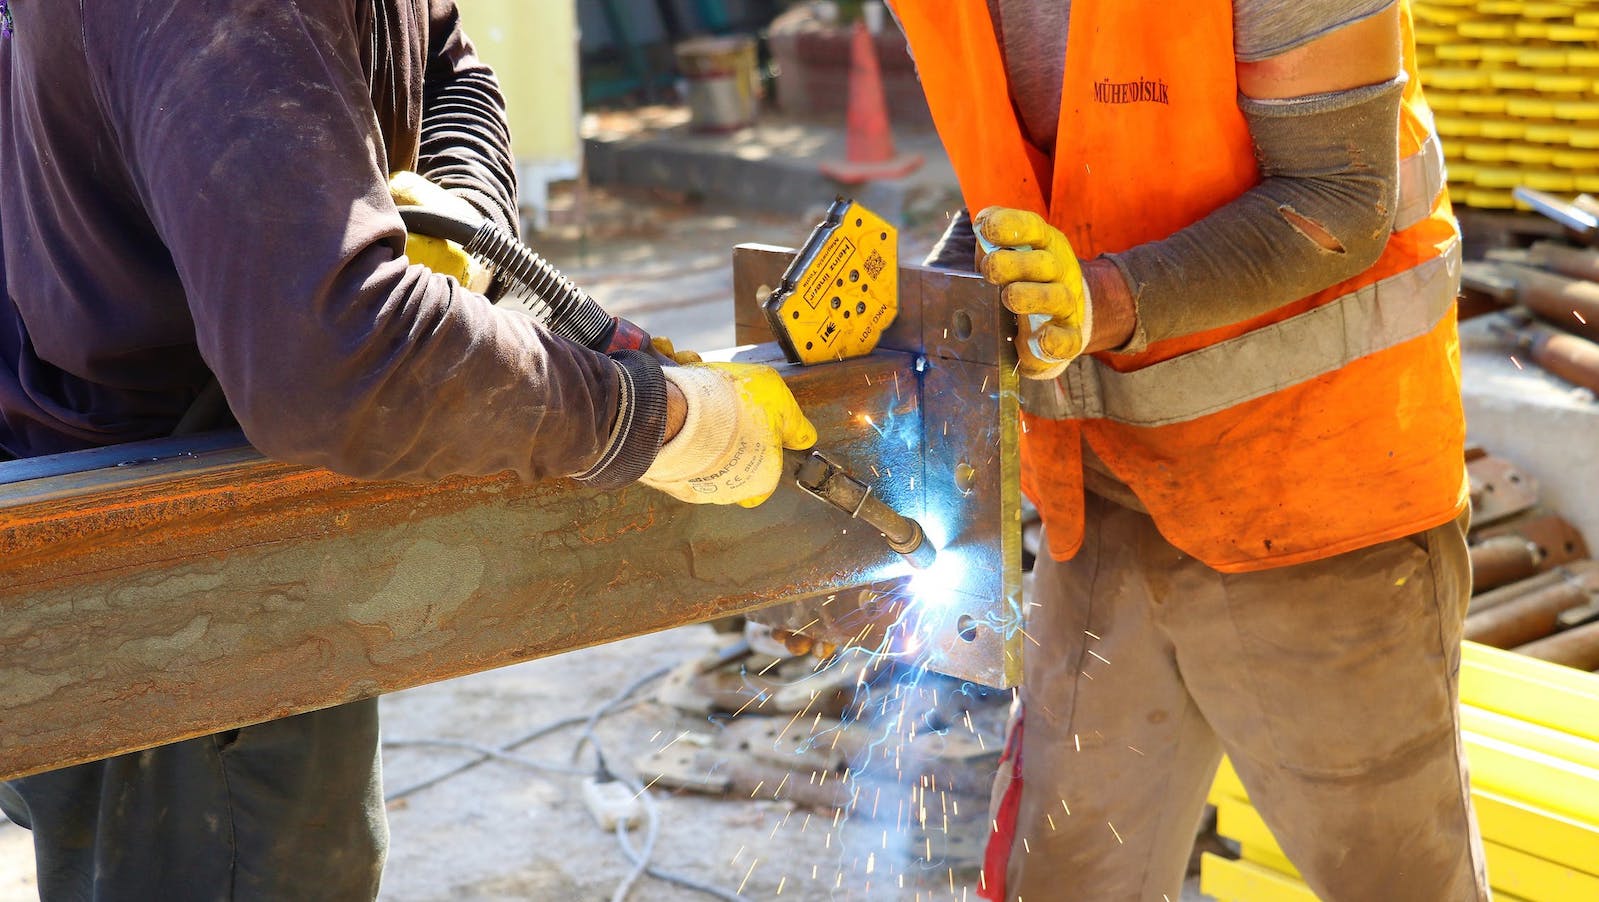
pixel 922 556
pixel 828 481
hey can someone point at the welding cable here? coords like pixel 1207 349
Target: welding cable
pixel 487 751
pixel 641 858
pixel 605 710
pixel 616 705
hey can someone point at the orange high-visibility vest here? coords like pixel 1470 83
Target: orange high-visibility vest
pixel 1328 424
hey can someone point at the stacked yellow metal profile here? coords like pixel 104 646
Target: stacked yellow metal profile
pixel 1532 737
pixel 1514 87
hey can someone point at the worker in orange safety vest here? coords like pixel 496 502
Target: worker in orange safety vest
pixel 1223 229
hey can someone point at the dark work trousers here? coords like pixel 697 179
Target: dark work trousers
pixel 290 809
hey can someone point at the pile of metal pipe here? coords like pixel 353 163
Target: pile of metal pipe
pixel 1534 589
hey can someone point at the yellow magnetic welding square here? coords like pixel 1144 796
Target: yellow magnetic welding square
pixel 1585 138
pixel 1532 31
pixel 1582 59
pixel 1500 53
pixel 841 291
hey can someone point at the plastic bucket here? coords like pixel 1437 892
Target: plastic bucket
pixel 720 73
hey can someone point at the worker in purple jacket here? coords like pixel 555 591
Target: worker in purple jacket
pixel 194 191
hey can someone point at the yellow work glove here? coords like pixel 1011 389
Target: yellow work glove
pixel 730 450
pixel 663 347
pixel 440 255
pixel 1042 283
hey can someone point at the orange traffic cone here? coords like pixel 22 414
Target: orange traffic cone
pixel 870 148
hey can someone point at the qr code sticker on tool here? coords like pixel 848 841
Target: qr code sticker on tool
pixel 873 265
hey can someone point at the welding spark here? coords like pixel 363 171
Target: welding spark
pixel 1579 317
pixel 1516 362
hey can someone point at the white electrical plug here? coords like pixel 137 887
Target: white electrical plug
pixel 611 802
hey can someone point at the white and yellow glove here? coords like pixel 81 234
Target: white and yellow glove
pixel 1042 283
pixel 438 254
pixel 730 450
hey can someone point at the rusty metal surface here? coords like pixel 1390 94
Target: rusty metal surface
pixel 1532 616
pixel 187 593
pixel 1558 542
pixel 190 585
pixel 1499 490
pixel 1577 647
pixel 964 616
pixel 1502 560
pixel 1582 573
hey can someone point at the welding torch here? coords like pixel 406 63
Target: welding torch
pixel 531 284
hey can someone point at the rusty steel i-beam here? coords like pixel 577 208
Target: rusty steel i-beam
pixel 168 589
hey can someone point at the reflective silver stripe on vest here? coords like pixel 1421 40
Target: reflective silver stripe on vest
pixel 1381 315
pixel 1421 180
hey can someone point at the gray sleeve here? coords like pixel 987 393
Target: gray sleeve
pixel 1329 168
pixel 1263 29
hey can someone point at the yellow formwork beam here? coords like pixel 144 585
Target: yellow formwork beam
pixel 1515 824
pixel 1524 874
pixel 1536 780
pixel 1243 881
pixel 1533 777
pixel 1531 690
pixel 1519 733
pixel 1237 821
pixel 1508 822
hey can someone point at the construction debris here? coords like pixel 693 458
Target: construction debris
pixel 857 736
pixel 1531 578
pixel 1544 299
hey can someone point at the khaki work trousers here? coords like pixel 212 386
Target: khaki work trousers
pixel 1332 686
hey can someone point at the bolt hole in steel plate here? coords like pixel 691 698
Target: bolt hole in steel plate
pixel 963 325
pixel 965 477
pixel 966 628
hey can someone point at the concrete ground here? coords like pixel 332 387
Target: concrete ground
pixel 503 831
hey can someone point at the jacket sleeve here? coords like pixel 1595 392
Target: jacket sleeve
pixel 250 134
pixel 466 143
